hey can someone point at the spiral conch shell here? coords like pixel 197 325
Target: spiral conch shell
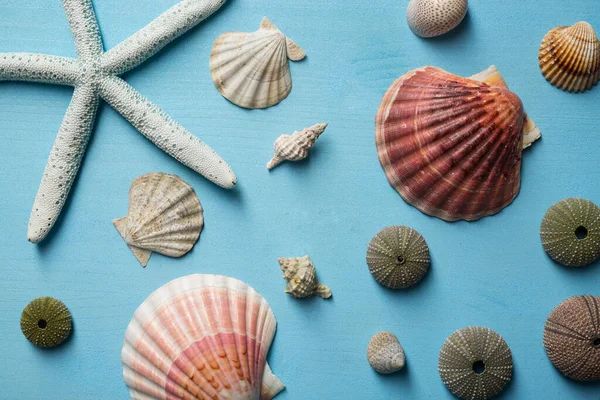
pixel 452 146
pixel 302 278
pixel 570 57
pixel 385 354
pixel 251 69
pixel 295 147
pixel 429 18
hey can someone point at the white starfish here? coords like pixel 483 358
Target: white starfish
pixel 95 75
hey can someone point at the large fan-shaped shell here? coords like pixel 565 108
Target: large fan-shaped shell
pixel 165 216
pixel 201 337
pixel 429 18
pixel 451 146
pixel 570 57
pixel 398 257
pixel 475 363
pixel 251 69
pixel 572 338
pixel 570 232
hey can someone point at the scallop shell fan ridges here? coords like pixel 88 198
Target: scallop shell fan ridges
pixel 475 363
pixel 451 146
pixel 572 338
pixel 251 69
pixel 164 216
pixel 398 257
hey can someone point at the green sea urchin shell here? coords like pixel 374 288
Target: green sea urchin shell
pixel 475 363
pixel 570 232
pixel 398 257
pixel 46 322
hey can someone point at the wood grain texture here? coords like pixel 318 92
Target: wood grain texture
pixel 492 273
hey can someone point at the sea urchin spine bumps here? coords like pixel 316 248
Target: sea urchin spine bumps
pixel 46 322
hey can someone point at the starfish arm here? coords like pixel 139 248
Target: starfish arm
pixel 84 26
pixel 64 161
pixel 166 133
pixel 157 34
pixel 34 67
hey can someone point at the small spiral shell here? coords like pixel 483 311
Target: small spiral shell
pixel 570 232
pixel 302 278
pixel 46 322
pixel 572 338
pixel 398 257
pixel 429 18
pixel 385 354
pixel 475 363
pixel 295 147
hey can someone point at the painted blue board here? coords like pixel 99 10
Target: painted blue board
pixel 493 272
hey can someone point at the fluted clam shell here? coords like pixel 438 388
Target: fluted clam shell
pixel 570 232
pixel 165 216
pixel 572 338
pixel 201 337
pixel 451 146
pixel 385 354
pixel 398 257
pixel 295 147
pixel 251 69
pixel 429 18
pixel 475 363
pixel 569 57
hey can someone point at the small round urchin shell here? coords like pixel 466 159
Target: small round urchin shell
pixel 570 232
pixel 398 257
pixel 46 322
pixel 475 363
pixel 429 18
pixel 572 338
pixel 385 354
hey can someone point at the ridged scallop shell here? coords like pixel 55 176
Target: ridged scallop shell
pixel 570 232
pixel 201 337
pixel 570 57
pixel 302 278
pixel 451 146
pixel 385 354
pixel 46 322
pixel 572 338
pixel 251 69
pixel 165 216
pixel 295 147
pixel 475 363
pixel 398 257
pixel 429 18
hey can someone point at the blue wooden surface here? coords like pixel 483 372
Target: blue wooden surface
pixel 492 273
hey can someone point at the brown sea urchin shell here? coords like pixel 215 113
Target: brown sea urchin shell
pixel 570 57
pixel 572 338
pixel 451 146
pixel 475 363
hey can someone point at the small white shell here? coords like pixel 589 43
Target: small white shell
pixel 165 216
pixel 429 18
pixel 251 69
pixel 295 147
pixel 385 354
pixel 302 278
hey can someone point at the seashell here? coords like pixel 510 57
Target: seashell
pixel 429 18
pixel 302 278
pixel 295 147
pixel 570 57
pixel 475 363
pixel 572 338
pixel 570 232
pixel 398 257
pixel 46 322
pixel 201 337
pixel 451 146
pixel 385 354
pixel 251 69
pixel 165 216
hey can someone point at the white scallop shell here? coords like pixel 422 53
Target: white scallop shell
pixel 165 216
pixel 201 337
pixel 251 69
pixel 295 147
pixel 429 18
